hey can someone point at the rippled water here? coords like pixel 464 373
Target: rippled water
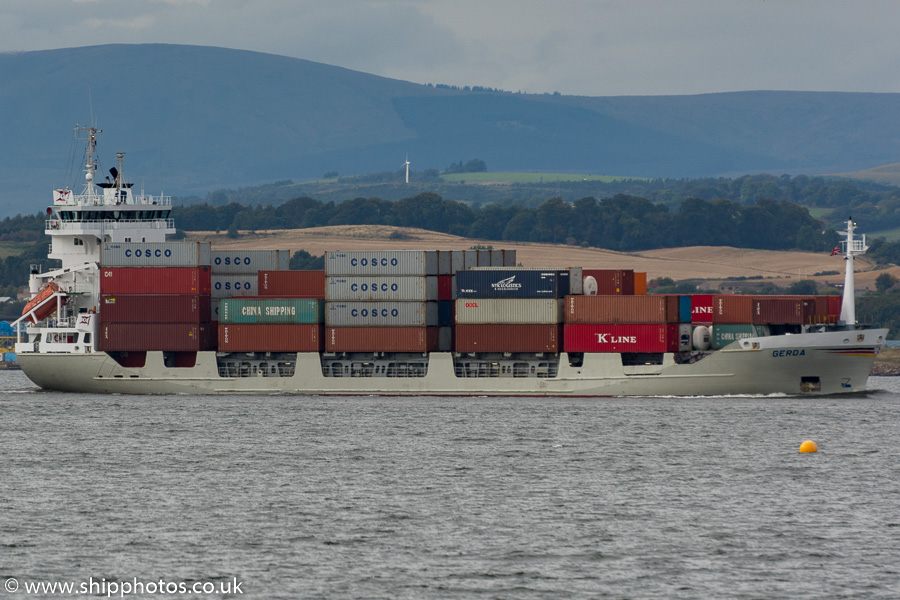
pixel 311 497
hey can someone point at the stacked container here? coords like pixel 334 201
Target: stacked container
pixel 511 309
pixel 155 296
pixel 383 301
pixel 270 324
pixel 235 272
pixel 640 324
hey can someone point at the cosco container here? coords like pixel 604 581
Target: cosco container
pixel 250 261
pixel 612 282
pixel 512 283
pixel 154 254
pixel 297 284
pixel 381 339
pixel 371 288
pixel 271 310
pixel 725 333
pixel 621 338
pixel 155 280
pixel 228 286
pixel 536 311
pixel 381 314
pixel 241 337
pixel 177 337
pixel 128 308
pixel 507 338
pixel 381 262
pixel 622 309
pixel 732 308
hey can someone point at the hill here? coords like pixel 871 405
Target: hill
pixel 194 119
pixel 710 263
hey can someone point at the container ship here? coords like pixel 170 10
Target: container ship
pixel 130 312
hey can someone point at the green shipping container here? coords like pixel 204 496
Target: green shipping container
pixel 723 334
pixel 271 310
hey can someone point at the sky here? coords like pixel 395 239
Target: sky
pixel 574 47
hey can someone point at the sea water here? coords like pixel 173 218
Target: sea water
pixel 370 497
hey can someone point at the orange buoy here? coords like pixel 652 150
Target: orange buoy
pixel 808 446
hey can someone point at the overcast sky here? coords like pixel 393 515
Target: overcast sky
pixel 583 47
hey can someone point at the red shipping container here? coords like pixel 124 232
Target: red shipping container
pixel 732 308
pixel 178 337
pixel 702 308
pixel 507 338
pixel 621 309
pixel 621 338
pixel 780 310
pixel 381 339
pixel 155 280
pixel 612 282
pixel 445 287
pixel 129 308
pixel 245 337
pixel 291 284
pixel 834 307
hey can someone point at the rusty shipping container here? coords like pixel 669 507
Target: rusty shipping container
pixel 787 311
pixel 128 308
pixel 249 261
pixel 732 308
pixel 291 284
pixel 284 337
pixel 621 338
pixel 622 309
pixel 507 338
pixel 178 337
pixel 524 311
pixel 612 282
pixel 381 262
pixel 381 339
pixel 155 280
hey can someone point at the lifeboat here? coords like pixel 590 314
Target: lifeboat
pixel 47 309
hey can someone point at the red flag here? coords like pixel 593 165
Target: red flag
pixel 836 250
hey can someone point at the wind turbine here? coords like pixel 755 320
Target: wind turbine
pixel 407 168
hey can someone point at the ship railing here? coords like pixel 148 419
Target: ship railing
pixel 99 200
pixel 51 225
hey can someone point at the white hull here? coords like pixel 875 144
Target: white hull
pixel 834 362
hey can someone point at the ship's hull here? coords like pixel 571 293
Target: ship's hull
pixel 834 362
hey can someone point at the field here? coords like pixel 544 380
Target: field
pixel 517 177
pixel 712 264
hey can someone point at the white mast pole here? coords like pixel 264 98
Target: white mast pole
pixel 852 247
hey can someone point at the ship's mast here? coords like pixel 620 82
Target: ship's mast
pixel 90 163
pixel 851 248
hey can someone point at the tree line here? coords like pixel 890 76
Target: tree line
pixel 623 222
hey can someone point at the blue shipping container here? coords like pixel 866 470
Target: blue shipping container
pixel 684 309
pixel 10 357
pixel 512 283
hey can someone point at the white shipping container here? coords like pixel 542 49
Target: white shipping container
pixel 250 261
pixel 154 254
pixel 381 314
pixel 231 286
pixel 381 262
pixel 377 288
pixel 519 311
pixel 445 262
pixel 509 258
